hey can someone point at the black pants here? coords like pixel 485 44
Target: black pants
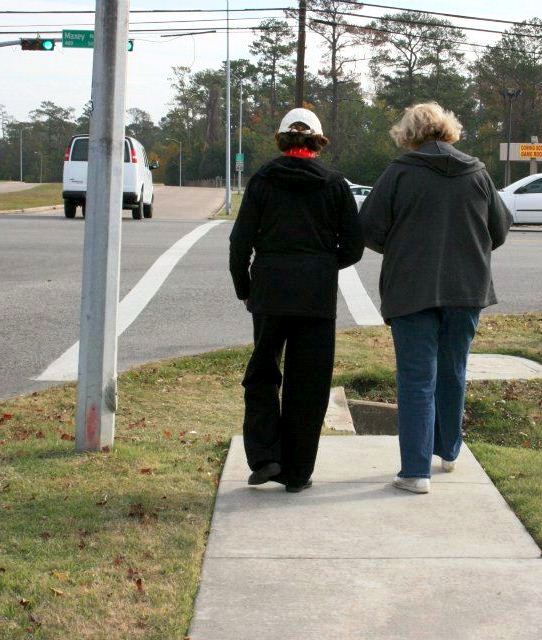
pixel 288 434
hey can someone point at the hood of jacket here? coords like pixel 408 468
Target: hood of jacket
pixel 296 173
pixel 442 158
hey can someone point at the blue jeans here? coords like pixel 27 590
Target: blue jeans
pixel 431 349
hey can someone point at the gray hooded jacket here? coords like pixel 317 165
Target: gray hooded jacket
pixel 436 216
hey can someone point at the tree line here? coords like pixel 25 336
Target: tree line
pixel 411 58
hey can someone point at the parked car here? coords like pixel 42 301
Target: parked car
pixel 524 199
pixel 360 192
pixel 138 191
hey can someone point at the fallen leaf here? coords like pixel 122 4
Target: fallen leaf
pixel 24 602
pixel 45 535
pixel 139 585
pixel 40 434
pixel 57 592
pixel 103 501
pixel 146 471
pixel 167 434
pixel 118 561
pixel 7 416
pixel 67 436
pixel 192 432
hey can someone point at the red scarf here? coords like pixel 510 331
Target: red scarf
pixel 300 152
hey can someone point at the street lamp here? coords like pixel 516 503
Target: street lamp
pixel 228 112
pixel 40 154
pixel 21 153
pixel 180 143
pixel 509 94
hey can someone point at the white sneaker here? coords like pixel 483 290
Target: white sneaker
pixel 416 485
pixel 448 465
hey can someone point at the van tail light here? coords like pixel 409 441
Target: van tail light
pixel 134 156
pixel 67 154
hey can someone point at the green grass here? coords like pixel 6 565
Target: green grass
pixel 235 204
pixel 41 196
pixel 109 545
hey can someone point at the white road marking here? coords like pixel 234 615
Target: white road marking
pixel 65 367
pixel 357 299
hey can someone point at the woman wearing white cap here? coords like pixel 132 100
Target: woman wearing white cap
pixel 301 221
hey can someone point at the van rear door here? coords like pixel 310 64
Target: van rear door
pixel 75 169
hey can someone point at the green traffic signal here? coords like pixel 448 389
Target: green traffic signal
pixel 130 45
pixel 37 44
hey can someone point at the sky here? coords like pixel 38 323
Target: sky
pixel 64 75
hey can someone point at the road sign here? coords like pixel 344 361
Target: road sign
pixel 239 157
pixel 83 39
pixel 522 151
pixel 528 151
pixel 78 38
pixel 239 166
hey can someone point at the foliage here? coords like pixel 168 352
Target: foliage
pixel 412 58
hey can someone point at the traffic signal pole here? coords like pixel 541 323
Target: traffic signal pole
pixel 97 387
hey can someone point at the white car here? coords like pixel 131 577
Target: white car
pixel 360 192
pixel 138 191
pixel 524 199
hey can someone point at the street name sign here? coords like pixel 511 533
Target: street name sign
pixel 78 38
pixel 83 39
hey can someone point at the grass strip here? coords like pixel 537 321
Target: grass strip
pixel 40 196
pixel 109 545
pixel 235 204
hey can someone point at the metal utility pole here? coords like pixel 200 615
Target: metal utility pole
pixel 180 143
pixel 21 154
pixel 240 170
pixel 40 154
pixel 97 388
pixel 228 112
pixel 509 94
pixel 301 39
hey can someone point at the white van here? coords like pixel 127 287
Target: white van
pixel 138 192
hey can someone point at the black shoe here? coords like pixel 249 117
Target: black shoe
pixel 264 474
pixel 297 488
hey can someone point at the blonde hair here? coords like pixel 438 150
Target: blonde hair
pixel 426 121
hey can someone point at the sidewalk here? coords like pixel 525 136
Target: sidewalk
pixel 355 559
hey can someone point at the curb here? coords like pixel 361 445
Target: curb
pixel 527 228
pixel 32 209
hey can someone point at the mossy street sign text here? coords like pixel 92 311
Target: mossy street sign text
pixel 77 38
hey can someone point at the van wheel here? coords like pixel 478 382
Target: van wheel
pixel 137 213
pixel 70 208
pixel 148 208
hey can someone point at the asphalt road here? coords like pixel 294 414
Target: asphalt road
pixel 194 310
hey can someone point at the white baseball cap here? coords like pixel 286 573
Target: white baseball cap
pixel 307 117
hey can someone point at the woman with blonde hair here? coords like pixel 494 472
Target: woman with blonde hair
pixel 436 216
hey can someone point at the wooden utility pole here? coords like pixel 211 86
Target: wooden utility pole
pixel 301 37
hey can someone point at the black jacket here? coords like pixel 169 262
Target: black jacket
pixel 436 216
pixel 302 221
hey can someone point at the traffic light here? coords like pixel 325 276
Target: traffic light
pixel 130 45
pixel 37 44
